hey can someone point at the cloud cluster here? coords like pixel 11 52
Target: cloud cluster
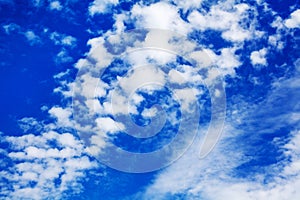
pixel 44 165
pixel 35 37
pixel 119 69
pixel 144 56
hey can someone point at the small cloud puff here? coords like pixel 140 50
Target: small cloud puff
pixel 32 37
pixel 100 6
pixel 11 28
pixel 55 5
pixel 63 57
pixel 259 57
pixel 63 40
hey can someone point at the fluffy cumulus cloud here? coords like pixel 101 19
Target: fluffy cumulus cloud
pixel 63 57
pixel 55 5
pixel 159 15
pixel 62 39
pixel 121 71
pixel 8 28
pixel 32 37
pixel 145 70
pixel 294 20
pixel 259 57
pixel 61 115
pixel 101 6
pixel 226 17
pixel 44 165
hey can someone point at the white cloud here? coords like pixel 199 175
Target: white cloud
pixel 97 52
pixel 62 116
pixel 278 23
pixel 45 165
pixel 160 15
pixel 118 104
pixel 142 57
pixel 30 124
pixel 63 57
pixel 39 160
pixel 223 17
pixel 277 39
pixel 68 41
pixel 145 75
pixel 119 24
pixel 236 34
pixel 150 112
pixel 274 40
pixel 108 125
pixel 205 57
pixel 228 60
pixel 101 6
pixel 11 27
pixel 142 76
pixel 186 97
pixel 91 87
pixel 190 172
pixel 259 57
pixel 63 40
pixel 176 77
pixel 32 37
pixel 55 5
pixel 187 5
pixel 294 20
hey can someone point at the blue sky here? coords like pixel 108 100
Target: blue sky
pixel 117 99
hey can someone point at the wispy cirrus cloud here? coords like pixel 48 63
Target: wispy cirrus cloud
pixel 217 176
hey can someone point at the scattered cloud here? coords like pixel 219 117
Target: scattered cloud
pixel 259 57
pixel 226 17
pixel 63 57
pixel 29 34
pixel 63 40
pixel 49 161
pixel 30 124
pixel 55 5
pixel 101 6
pixel 44 165
pixel 188 5
pixel 159 15
pixel 62 116
pixel 294 20
pixel 32 37
pixel 9 28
